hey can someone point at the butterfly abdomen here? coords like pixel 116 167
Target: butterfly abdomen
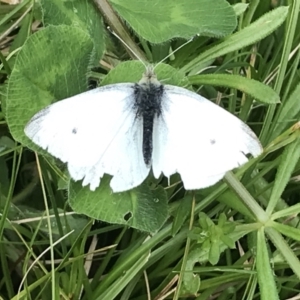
pixel 148 105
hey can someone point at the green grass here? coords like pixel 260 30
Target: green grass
pixel 235 240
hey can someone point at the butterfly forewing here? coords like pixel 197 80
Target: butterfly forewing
pixel 198 139
pixel 94 133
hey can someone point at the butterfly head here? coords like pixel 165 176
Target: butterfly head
pixel 149 77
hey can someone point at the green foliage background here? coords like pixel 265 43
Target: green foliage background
pixel 235 240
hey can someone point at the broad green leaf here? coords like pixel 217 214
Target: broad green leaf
pixel 267 285
pixel 163 20
pixel 46 71
pixel 256 31
pixel 140 208
pixel 256 89
pixel 289 159
pixel 132 71
pixel 81 14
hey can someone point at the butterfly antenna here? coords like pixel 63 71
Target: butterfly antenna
pixel 172 52
pixel 127 46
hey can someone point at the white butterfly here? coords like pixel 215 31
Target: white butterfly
pixel 125 129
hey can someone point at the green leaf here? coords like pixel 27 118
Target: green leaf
pixel 214 252
pixel 182 212
pixel 214 237
pixel 289 159
pixel 246 197
pixel 46 71
pixel 285 250
pixel 191 281
pixel 288 113
pixel 267 285
pixel 228 241
pixel 247 36
pixel 200 253
pixel 204 221
pixel 163 20
pixel 240 8
pixel 292 210
pixel 81 14
pixel 68 222
pixel 124 280
pixel 258 90
pixel 132 71
pixel 286 230
pixel 222 219
pixel 140 208
pixel 6 143
pixel 232 200
pixel 23 33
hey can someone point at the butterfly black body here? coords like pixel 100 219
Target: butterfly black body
pixel 148 94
